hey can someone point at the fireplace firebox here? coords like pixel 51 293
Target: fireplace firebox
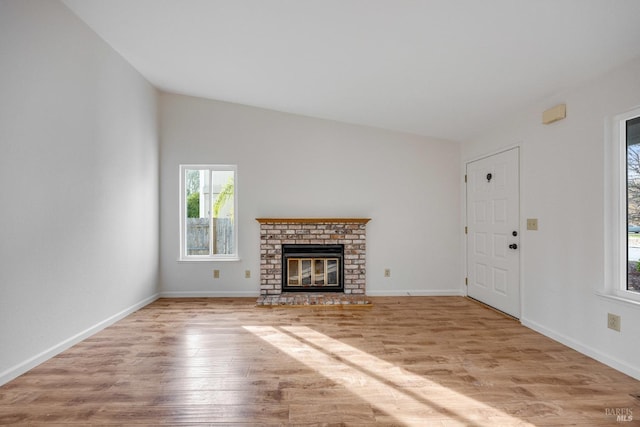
pixel 312 268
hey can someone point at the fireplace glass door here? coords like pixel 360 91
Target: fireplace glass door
pixel 312 268
pixel 313 272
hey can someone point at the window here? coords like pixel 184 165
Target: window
pixel 208 226
pixel 630 137
pixel 622 208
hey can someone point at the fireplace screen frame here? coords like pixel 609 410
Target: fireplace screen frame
pixel 312 253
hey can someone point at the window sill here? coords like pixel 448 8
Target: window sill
pixel 190 260
pixel 617 298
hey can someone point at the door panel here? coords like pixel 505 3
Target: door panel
pixel 493 263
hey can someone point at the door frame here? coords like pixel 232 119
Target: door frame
pixel 522 227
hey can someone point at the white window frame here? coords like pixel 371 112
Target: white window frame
pixel 615 212
pixel 183 214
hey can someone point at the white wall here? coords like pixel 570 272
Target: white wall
pixel 293 166
pixel 78 184
pixel 562 184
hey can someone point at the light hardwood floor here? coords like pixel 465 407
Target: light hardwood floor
pixel 443 361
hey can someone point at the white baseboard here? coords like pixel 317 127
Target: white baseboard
pixel 417 293
pixel 229 294
pixel 208 294
pixel 608 360
pixel 34 361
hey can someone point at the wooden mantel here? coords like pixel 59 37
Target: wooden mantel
pixel 312 220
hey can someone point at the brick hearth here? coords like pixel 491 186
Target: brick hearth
pixel 350 232
pixel 313 298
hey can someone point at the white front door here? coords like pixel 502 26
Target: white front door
pixel 493 233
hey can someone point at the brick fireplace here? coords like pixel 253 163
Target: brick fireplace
pixel 347 232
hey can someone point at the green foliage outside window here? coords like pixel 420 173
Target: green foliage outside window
pixel 226 195
pixel 193 205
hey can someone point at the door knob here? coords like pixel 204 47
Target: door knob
pixel 513 246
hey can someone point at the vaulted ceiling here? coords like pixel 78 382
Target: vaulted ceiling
pixel 448 69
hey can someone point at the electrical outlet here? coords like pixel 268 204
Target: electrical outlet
pixel 613 322
pixel 247 274
pixel 216 274
pixel 532 223
pixel 387 272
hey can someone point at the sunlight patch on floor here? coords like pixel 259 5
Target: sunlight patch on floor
pixel 409 398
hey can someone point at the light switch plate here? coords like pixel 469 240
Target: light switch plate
pixel 532 223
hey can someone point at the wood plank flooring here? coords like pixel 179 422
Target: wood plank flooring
pixel 414 361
